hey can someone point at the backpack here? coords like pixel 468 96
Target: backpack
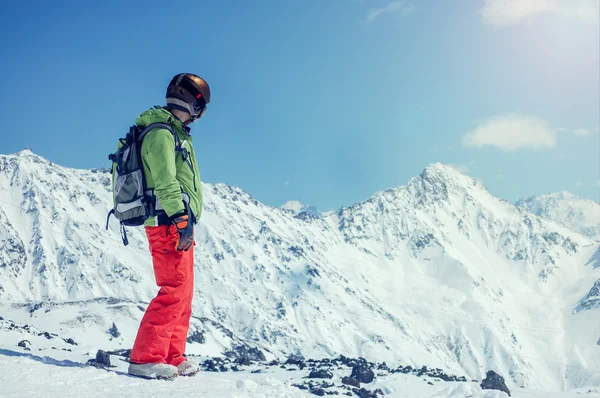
pixel 133 204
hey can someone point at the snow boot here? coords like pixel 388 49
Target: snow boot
pixel 153 370
pixel 188 368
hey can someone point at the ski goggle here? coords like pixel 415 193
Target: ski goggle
pixel 198 107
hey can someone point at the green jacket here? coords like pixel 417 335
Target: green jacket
pixel 166 172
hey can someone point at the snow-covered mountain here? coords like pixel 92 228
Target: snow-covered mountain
pixel 294 206
pixel 302 210
pixel 578 214
pixel 438 272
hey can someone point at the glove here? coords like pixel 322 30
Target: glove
pixel 185 230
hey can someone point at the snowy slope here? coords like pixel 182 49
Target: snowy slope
pixel 43 365
pixel 47 378
pixel 24 376
pixel 438 272
pixel 578 214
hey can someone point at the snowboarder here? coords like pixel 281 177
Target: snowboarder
pixel 174 181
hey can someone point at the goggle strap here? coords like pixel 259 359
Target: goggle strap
pixel 187 107
pixel 180 104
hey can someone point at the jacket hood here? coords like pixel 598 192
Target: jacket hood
pixel 161 115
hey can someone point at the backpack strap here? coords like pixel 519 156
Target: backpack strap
pixel 160 125
pixel 178 145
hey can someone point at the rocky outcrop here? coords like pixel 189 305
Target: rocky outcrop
pixel 493 381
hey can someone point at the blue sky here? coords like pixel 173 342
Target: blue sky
pixel 325 102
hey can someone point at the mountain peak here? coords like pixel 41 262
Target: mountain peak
pixel 26 152
pixel 563 195
pixel 579 214
pixel 297 208
pixel 293 205
pixel 28 156
pixel 444 170
pixel 440 168
pixel 439 182
pixel 554 197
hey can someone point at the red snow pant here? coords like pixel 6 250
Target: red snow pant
pixel 163 331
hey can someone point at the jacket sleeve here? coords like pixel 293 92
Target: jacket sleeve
pixel 158 152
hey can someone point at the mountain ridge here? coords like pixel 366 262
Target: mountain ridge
pixel 579 214
pixel 437 271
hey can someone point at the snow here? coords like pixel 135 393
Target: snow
pixel 578 214
pixel 30 375
pixel 294 206
pixel 301 210
pixel 33 376
pixel 438 272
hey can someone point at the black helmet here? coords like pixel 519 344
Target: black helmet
pixel 189 93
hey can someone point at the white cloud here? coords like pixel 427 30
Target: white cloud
pixel 511 132
pixel 579 132
pixel 293 205
pixel 463 168
pixel 506 12
pixel 582 132
pixel 401 6
pixel 579 184
pixel 287 183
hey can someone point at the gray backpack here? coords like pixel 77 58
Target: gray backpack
pixel 133 204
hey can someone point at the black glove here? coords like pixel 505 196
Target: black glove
pixel 185 229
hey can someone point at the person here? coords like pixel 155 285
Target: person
pixel 174 180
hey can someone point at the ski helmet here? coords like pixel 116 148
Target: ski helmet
pixel 189 93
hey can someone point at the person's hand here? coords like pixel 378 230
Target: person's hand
pixel 185 231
